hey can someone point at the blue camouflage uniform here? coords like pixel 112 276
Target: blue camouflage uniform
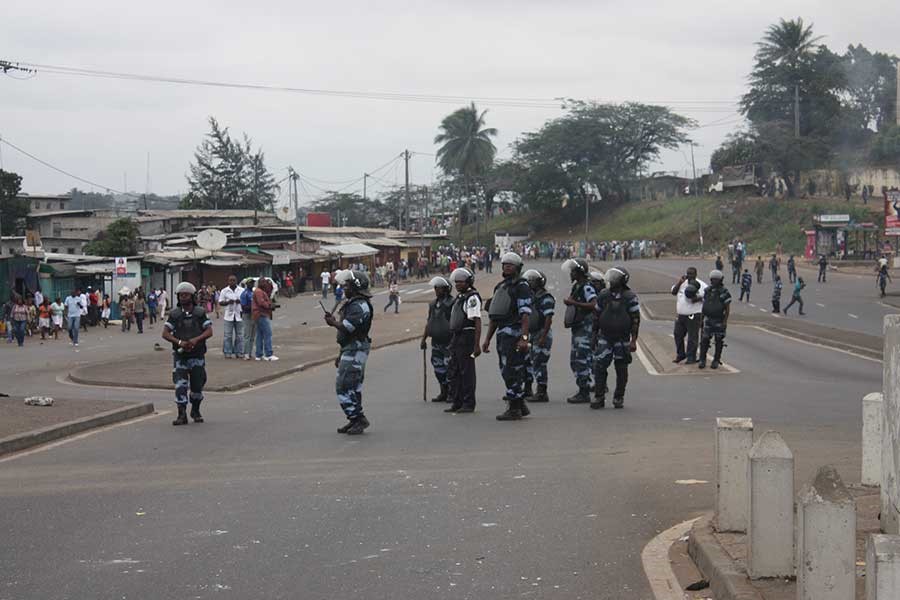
pixel 509 331
pixel 715 302
pixel 616 316
pixel 776 296
pixel 440 345
pixel 356 317
pixel 580 354
pixel 545 306
pixel 189 369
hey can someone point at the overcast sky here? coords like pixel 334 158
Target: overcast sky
pixel 101 129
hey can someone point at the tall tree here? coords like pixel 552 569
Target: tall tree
pixel 12 209
pixel 465 144
pixel 226 173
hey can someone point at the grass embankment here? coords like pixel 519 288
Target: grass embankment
pixel 761 222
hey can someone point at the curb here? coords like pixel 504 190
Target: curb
pixel 726 581
pixel 234 387
pixel 22 441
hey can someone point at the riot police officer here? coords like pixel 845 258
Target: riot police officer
pixel 716 308
pixel 509 312
pixel 617 322
pixel 465 337
pixel 188 328
pixel 437 327
pixel 353 324
pixel 579 305
pixel 539 328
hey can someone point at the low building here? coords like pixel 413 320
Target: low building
pixel 46 203
pixel 68 231
pixel 657 187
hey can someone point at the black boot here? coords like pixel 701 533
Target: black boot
pixel 621 382
pixel 541 395
pixel 513 411
pixel 181 419
pixel 582 397
pixel 704 350
pixel 455 407
pixel 355 426
pixel 442 397
pixel 599 400
pixel 524 408
pixel 195 411
pixel 599 389
pixel 717 357
pixel 529 393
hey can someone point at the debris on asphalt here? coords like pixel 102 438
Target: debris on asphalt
pixel 39 401
pixel 698 585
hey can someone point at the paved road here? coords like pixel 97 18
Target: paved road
pixel 266 501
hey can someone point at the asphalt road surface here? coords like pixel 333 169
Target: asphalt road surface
pixel 265 500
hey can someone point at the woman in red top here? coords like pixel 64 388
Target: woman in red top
pixel 44 318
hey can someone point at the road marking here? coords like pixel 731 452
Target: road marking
pixel 81 436
pixel 808 343
pixel 820 305
pixel 763 310
pixel 645 361
pixel 658 569
pixel 852 316
pixel 753 305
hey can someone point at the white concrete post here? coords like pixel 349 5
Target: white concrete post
pixel 826 539
pixel 770 539
pixel 890 447
pixel 734 438
pixel 872 417
pixel 883 567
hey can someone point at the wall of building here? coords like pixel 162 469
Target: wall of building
pixel 830 182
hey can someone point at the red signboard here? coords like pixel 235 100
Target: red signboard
pixel 316 219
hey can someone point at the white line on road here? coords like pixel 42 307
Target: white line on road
pixel 799 341
pixel 657 567
pixel 852 316
pixel 762 310
pixel 753 305
pixel 820 305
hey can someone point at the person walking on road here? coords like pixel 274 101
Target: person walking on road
pixel 465 341
pixel 393 297
pixel 230 301
pixel 616 324
pixel 746 284
pixel 736 269
pixel 823 267
pixel 541 332
pixel 580 304
pixel 509 312
pixel 795 296
pixel 688 292
pixel 187 329
pixel 57 310
pixel 19 318
pixel 326 281
pixel 882 277
pixel 760 267
pixel 139 308
pixel 73 315
pixel 774 266
pixel 719 264
pixel 437 327
pixel 716 309
pixel 776 295
pixel 792 269
pixel 352 324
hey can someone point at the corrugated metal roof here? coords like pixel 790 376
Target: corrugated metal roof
pixel 348 250
pixel 290 255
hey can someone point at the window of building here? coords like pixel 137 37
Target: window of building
pixel 70 250
pixel 54 250
pixel 57 228
pixel 37 205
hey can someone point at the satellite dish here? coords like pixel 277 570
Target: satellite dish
pixel 211 239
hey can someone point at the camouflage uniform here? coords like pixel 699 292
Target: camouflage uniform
pixel 440 350
pixel 714 322
pixel 356 317
pixel 612 342
pixel 509 331
pixel 539 356
pixel 580 354
pixel 189 368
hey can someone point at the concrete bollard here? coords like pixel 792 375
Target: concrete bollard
pixel 883 567
pixel 734 438
pixel 826 539
pixel 872 416
pixel 770 528
pixel 890 428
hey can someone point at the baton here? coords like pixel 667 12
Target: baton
pixel 325 310
pixel 424 375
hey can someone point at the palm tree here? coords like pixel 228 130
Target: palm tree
pixel 787 43
pixel 466 146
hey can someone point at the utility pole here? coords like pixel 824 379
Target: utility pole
pixel 406 161
pixel 694 169
pixel 292 189
pixel 897 109
pixel 587 220
pixel 365 181
pixel 797 111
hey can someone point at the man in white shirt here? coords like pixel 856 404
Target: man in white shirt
pixel 689 305
pixel 326 281
pixel 162 300
pixel 38 298
pixel 230 300
pixel 85 302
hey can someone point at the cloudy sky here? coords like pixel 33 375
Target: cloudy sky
pixel 692 55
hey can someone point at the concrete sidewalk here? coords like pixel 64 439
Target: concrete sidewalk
pixel 722 557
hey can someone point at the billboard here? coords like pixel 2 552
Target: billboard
pixel 318 219
pixel 892 212
pixel 121 266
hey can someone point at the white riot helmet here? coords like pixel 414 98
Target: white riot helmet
pixel 535 278
pixel 716 274
pixel 617 277
pixel 185 287
pixel 354 281
pixel 462 274
pixel 439 282
pixel 511 258
pixel 576 264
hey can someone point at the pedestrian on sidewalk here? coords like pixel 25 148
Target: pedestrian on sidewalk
pixel 616 324
pixel 139 307
pixel 7 318
pixel 44 313
pixel 393 297
pixel 437 327
pixel 688 292
pixel 106 311
pixel 353 323
pixel 247 322
pixel 73 315
pixel 126 307
pixel 57 310
pixel 326 281
pixel 19 316
pixel 163 299
pixel 823 267
pixel 187 328
pixel 792 269
pixel 152 306
pixel 746 284
pixel 776 295
pixel 760 267
pixel 261 311
pixel 85 303
pixel 795 296
pixel 230 301
pixel 716 309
